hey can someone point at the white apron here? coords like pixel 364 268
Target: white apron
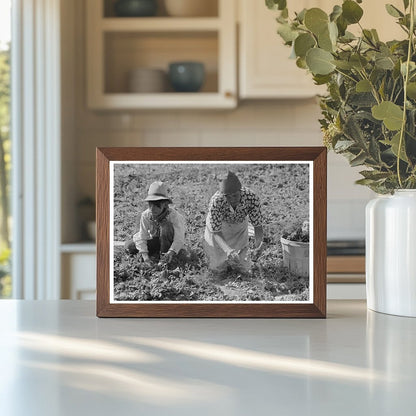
pixel 236 237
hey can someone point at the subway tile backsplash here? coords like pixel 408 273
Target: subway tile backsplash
pixel 346 219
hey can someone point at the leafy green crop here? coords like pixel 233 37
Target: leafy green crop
pixel 284 193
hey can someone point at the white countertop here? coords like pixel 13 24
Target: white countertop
pixel 57 358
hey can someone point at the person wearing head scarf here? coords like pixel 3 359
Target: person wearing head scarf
pixel 226 232
pixel 162 228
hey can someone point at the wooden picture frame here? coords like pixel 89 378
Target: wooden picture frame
pixel 111 301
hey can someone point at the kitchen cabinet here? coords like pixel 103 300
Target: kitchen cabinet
pixel 265 70
pixel 118 45
pixel 346 276
pixel 346 269
pixel 78 263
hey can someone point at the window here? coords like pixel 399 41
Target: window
pixel 5 147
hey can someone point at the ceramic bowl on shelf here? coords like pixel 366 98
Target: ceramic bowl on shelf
pixel 186 76
pixel 147 80
pixel 135 8
pixel 191 8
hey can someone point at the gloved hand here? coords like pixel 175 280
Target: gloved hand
pixel 169 256
pixel 232 255
pixel 146 259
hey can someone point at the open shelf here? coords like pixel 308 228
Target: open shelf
pixel 80 247
pixel 160 24
pixel 158 101
pixel 116 46
pixel 126 51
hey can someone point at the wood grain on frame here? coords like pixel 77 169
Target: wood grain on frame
pixel 103 230
pixel 317 309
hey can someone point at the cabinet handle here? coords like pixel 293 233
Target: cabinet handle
pixel 229 94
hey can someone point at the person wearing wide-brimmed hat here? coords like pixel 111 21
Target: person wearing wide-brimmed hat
pixel 226 231
pixel 161 229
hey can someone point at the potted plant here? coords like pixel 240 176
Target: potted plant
pixel 369 116
pixel 295 248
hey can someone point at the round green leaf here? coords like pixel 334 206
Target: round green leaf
pixel 276 4
pixel 325 42
pixel 391 114
pixel 347 37
pixel 394 143
pixel 368 37
pixel 342 25
pixel 303 43
pixel 301 15
pixel 344 65
pixel 393 11
pixel 319 61
pixel 412 67
pixel 351 11
pixel 384 62
pixel 281 4
pixel 322 79
pixel 358 61
pixel 333 32
pixel 301 63
pixel 336 12
pixel 287 33
pixel 375 35
pixel 316 20
pixel 363 86
pixel 411 90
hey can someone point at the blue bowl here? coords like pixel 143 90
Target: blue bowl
pixel 135 8
pixel 186 76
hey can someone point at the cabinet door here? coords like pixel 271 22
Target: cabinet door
pixel 266 71
pixel 78 276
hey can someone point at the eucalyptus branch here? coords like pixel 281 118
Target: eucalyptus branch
pixel 358 45
pixel 405 81
pixel 373 88
pixel 397 95
pixel 341 48
pixel 346 75
pixel 404 28
pixel 374 92
pixel 361 59
pixel 383 132
pixel 392 91
pixel 369 40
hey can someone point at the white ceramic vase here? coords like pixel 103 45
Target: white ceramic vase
pixel 391 253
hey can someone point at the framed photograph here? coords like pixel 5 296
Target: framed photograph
pixel 211 232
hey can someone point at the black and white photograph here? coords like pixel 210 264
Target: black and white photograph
pixel 211 231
